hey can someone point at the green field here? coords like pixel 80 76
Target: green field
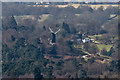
pixel 44 17
pixel 77 14
pixel 112 15
pixel 94 36
pixel 103 46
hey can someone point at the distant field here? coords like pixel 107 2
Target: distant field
pixel 77 5
pixel 100 46
pixel 43 17
pixel 112 15
pixel 104 6
pixel 77 14
pixel 40 18
pixel 103 46
pixel 94 36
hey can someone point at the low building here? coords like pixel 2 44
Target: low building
pixel 87 39
pixel 82 37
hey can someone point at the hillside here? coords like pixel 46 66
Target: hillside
pixel 60 42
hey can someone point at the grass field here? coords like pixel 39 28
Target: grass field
pixel 112 15
pixel 94 36
pixel 103 46
pixel 77 14
pixel 44 17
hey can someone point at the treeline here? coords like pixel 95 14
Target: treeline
pixel 30 58
pixel 83 18
pixel 22 9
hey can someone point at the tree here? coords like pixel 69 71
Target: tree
pixel 111 51
pixel 100 9
pixel 66 27
pixel 73 30
pixel 44 28
pixel 103 31
pixel 53 50
pixel 63 34
pixel 57 25
pixel 76 76
pixel 114 65
pixel 11 21
pixel 92 60
pixel 13 38
pixel 83 74
pixel 86 46
pixel 50 72
pixel 20 42
pixel 69 44
pixel 38 41
pixel 91 48
pixel 37 74
pixel 104 52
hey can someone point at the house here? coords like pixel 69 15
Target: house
pixel 85 40
pixel 84 56
pixel 82 37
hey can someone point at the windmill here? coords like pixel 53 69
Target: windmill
pixel 53 39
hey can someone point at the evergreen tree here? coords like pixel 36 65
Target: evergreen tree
pixel 64 34
pixel 44 28
pixel 13 38
pixel 57 25
pixel 76 76
pixel 11 21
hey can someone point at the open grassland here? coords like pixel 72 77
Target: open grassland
pixel 44 17
pixel 112 15
pixel 25 17
pixel 103 46
pixel 94 36
pixel 77 5
pixel 77 14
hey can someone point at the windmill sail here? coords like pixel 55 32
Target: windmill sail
pixel 51 30
pixel 57 31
